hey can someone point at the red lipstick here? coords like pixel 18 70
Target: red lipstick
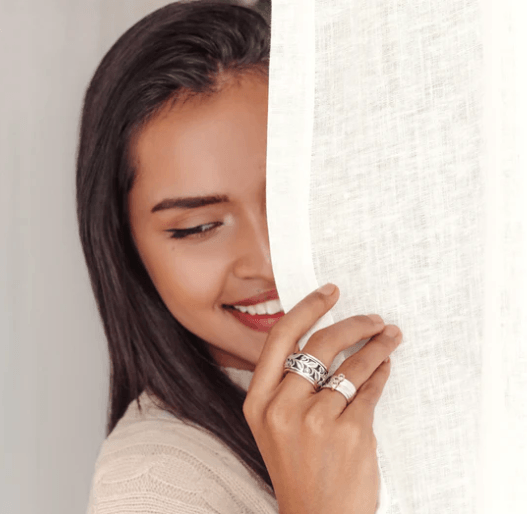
pixel 258 322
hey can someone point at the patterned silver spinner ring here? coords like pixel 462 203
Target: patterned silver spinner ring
pixel 308 367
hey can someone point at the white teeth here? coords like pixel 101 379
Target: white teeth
pixel 270 307
pixel 260 308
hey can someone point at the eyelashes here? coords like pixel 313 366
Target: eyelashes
pixel 196 232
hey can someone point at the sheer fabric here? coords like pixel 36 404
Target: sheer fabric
pixel 396 170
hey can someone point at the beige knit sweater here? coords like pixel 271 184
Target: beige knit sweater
pixel 153 463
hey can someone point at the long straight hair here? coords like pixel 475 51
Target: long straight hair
pixel 180 50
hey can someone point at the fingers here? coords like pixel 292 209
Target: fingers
pixel 327 343
pixel 362 412
pixel 282 339
pixel 368 372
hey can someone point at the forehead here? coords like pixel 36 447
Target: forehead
pixel 206 145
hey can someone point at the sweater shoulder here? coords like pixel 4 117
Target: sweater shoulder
pixel 153 462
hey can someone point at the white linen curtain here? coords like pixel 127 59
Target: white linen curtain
pixel 396 169
pixel 396 152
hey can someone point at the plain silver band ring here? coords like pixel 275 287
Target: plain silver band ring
pixel 341 384
pixel 308 367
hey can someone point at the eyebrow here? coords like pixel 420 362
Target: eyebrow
pixel 190 202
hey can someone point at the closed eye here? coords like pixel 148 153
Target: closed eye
pixel 197 232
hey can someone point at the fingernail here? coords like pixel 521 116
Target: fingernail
pixel 327 289
pixel 391 330
pixel 376 319
pixel 387 359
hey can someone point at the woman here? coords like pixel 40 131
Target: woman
pixel 172 219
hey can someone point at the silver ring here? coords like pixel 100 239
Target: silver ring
pixel 308 367
pixel 341 384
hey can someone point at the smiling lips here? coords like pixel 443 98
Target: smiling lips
pixel 257 321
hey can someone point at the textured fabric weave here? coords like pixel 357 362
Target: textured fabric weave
pixel 154 463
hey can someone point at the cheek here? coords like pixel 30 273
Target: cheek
pixel 190 280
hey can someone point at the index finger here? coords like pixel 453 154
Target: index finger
pixel 284 336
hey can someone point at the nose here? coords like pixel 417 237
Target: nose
pixel 252 250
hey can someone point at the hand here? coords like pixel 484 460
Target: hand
pixel 319 451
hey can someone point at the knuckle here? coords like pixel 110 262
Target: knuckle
pixel 362 436
pixel 354 432
pixel 250 411
pixel 365 432
pixel 315 422
pixel 317 339
pixel 367 438
pixel 277 417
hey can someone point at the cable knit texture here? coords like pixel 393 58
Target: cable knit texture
pixel 154 463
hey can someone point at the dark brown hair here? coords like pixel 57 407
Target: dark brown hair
pixel 179 50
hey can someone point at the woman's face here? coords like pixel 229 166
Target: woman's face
pixel 208 147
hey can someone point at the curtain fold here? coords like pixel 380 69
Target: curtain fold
pixel 401 119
